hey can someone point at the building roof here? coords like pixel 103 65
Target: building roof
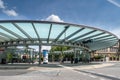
pixel 28 32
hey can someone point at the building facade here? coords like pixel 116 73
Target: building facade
pixel 109 54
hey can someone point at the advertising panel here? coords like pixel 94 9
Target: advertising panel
pixel 45 56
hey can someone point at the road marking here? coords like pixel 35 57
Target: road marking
pixel 93 76
pixel 65 67
pixel 84 74
pixel 58 73
pixel 90 75
pixel 103 74
pixel 111 75
pixel 78 71
pixel 102 79
pixel 92 72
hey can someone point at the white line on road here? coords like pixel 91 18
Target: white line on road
pixel 84 74
pixel 90 75
pixel 93 76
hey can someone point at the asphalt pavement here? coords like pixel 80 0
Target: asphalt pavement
pixel 91 71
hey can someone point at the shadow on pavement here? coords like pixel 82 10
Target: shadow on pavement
pixel 79 64
pixel 50 65
pixel 100 75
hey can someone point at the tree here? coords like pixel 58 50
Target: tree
pixel 9 57
pixel 59 48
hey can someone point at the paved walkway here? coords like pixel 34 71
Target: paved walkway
pixel 56 66
pixel 51 71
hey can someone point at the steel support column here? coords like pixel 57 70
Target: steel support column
pixel 39 54
pixel 74 55
pixel 31 55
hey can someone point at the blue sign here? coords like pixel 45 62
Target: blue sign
pixel 45 56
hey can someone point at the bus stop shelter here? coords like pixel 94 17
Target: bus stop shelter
pixel 29 32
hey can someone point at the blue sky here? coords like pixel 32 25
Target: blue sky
pixel 104 14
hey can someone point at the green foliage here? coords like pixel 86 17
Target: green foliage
pixel 61 55
pixel 9 57
pixel 98 57
pixel 59 48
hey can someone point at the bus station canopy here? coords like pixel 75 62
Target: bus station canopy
pixel 29 32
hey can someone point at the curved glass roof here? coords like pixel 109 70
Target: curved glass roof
pixel 21 32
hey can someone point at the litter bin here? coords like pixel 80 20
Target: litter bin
pixel 76 60
pixel 3 61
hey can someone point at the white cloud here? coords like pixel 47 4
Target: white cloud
pixel 54 18
pixel 114 3
pixel 2 4
pixel 9 12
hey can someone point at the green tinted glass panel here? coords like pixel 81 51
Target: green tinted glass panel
pixel 12 28
pixel 56 30
pixel 101 35
pixel 81 33
pixel 28 28
pixel 70 30
pixel 42 29
pixel 5 32
pixel 88 36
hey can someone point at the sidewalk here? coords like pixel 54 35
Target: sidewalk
pixel 79 66
pixel 56 66
pixel 91 65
